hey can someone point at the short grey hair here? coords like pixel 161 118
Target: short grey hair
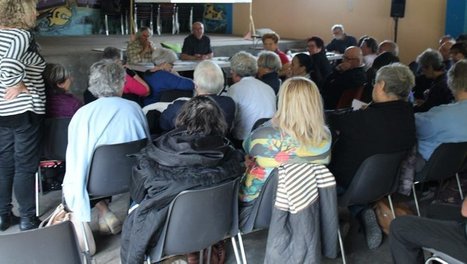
pixel 243 64
pixel 457 77
pixel 106 79
pixel 431 58
pixel 270 60
pixel 398 79
pixel 338 26
pixel 208 77
pixel 163 55
pixel 393 47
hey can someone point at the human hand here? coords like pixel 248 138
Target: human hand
pixel 344 66
pixel 13 91
pixel 464 208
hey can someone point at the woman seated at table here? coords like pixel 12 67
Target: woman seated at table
pixel 60 102
pixel 193 155
pixel 162 78
pixel 296 134
pixel 108 120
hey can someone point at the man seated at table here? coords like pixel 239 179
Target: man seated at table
pixel 387 125
pixel 140 49
pixel 349 74
pixel 197 46
pixel 209 80
pixel 341 41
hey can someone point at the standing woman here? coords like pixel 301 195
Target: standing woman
pixel 22 106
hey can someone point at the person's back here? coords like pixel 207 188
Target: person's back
pixel 161 80
pixel 254 100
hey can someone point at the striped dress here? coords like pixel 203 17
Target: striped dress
pixel 20 61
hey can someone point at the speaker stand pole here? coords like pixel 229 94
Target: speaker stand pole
pixel 396 24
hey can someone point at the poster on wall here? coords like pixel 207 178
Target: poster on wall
pixel 216 18
pixel 61 17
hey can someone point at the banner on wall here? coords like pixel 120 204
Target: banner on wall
pixel 61 17
pixel 216 18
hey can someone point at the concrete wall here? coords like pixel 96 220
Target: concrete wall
pixel 421 28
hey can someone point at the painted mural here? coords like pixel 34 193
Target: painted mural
pixel 62 17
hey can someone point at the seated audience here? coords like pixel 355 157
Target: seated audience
pixel 135 87
pixel 445 123
pixel 269 65
pixel 194 155
pixel 446 38
pixel 209 81
pixel 197 46
pixel 341 41
pixel 388 46
pixel 318 55
pixel 369 48
pixel 140 49
pixel 458 52
pixel 381 60
pixel 60 102
pixel 437 93
pixel 271 43
pixel 302 65
pixel 164 79
pixel 108 120
pixel 254 99
pixel 347 75
pixel 385 126
pixel 409 234
pixel 445 49
pixel 296 134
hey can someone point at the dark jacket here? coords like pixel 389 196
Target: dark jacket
pixel 340 45
pixel 338 82
pixel 272 79
pixel 381 128
pixel 438 94
pixel 322 65
pixel 174 162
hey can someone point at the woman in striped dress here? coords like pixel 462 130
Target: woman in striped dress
pixel 22 106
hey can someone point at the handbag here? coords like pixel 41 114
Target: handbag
pixel 384 214
pixel 83 230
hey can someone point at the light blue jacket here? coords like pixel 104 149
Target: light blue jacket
pixel 109 120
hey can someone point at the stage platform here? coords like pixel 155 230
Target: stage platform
pixel 77 54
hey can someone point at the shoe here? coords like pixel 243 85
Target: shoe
pixel 373 234
pixel 28 223
pixel 109 223
pixel 5 222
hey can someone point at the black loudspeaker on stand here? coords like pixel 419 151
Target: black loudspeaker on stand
pixel 397 11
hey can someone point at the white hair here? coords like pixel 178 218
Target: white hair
pixel 338 26
pixel 208 77
pixel 106 79
pixel 163 55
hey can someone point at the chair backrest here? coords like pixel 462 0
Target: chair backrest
pixel 55 138
pixel 198 219
pixel 348 95
pixel 445 162
pixel 260 216
pixel 55 244
pixel 376 177
pixel 171 95
pixel 111 168
pixel 259 122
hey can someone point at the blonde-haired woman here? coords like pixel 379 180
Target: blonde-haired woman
pixel 296 134
pixel 22 106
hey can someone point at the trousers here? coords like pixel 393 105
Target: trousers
pixel 19 159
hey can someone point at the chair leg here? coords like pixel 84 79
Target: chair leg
pixel 234 245
pixel 341 244
pixel 437 259
pixel 106 23
pixel 201 259
pixel 392 207
pixel 459 186
pixel 242 249
pixel 37 191
pixel 209 254
pixel 415 199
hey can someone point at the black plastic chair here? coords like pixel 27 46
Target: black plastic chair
pixel 445 162
pixel 55 244
pixel 111 168
pixel 377 177
pixel 53 150
pixel 441 257
pixel 169 96
pixel 198 219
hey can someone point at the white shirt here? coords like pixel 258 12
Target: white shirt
pixel 254 100
pixel 368 60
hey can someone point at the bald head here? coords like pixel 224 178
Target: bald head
pixel 353 55
pixel 388 46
